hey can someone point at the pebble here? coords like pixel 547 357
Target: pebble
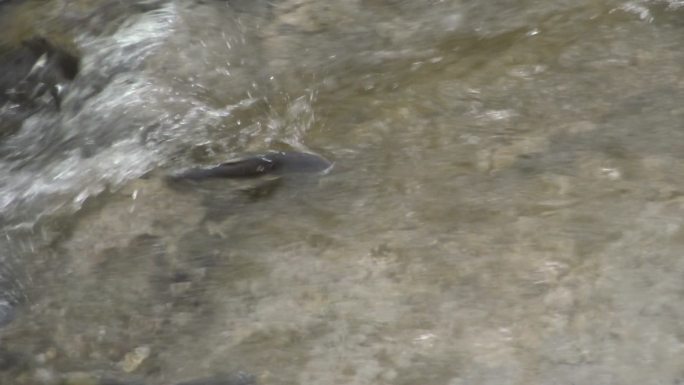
pixel 133 359
pixel 610 173
pixel 6 313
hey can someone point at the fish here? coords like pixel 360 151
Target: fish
pixel 273 163
pixel 240 378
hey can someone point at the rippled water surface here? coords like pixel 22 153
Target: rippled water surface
pixel 506 204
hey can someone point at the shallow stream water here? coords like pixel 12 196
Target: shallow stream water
pixel 506 204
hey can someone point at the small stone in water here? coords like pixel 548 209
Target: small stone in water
pixel 133 359
pixel 610 173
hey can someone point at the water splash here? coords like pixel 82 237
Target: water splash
pixel 55 161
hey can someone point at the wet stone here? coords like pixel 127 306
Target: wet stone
pixel 34 69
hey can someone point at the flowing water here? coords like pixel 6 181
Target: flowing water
pixel 506 204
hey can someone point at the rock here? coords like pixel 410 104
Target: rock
pixel 27 72
pixel 133 359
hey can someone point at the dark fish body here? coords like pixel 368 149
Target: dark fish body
pixel 235 379
pixel 240 378
pixel 271 163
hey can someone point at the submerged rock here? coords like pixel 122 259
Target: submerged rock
pixel 34 68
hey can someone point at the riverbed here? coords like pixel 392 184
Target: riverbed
pixel 505 207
